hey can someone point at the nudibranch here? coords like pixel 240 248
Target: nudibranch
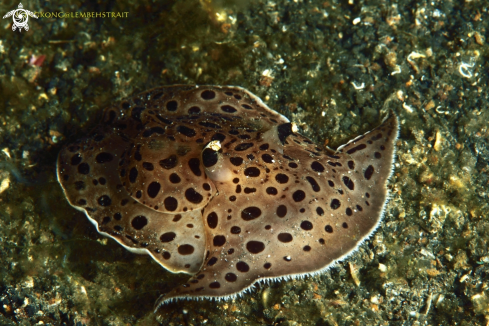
pixel 209 181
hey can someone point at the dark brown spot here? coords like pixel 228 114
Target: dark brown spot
pixel 284 237
pixel 212 261
pixel 137 155
pixel 148 166
pixel 252 172
pixel 118 216
pixel 171 203
pixel 250 213
pixel 231 251
pixel 264 147
pixel 282 178
pixel 351 165
pixel 249 190
pixel 230 277
pixel 236 161
pixel 369 172
pixel 349 212
pixel 185 249
pixel 293 165
pixel 242 267
pixel 133 174
pixel 348 182
pixel 166 255
pixel 177 218
pixel 208 95
pixel 328 228
pixel 84 168
pixel 228 109
pixel 377 155
pixel 344 225
pixel 281 211
pixel 313 183
pixel 139 194
pixel 104 200
pixel 359 208
pixel 272 191
pixel 82 202
pixel 212 220
pixel 194 165
pixel 153 189
pixel 377 137
pixel 174 178
pixel 235 180
pixel 232 198
pixel 169 162
pixel 299 195
pixel 317 167
pixel 243 147
pixel 76 159
pixel 235 230
pixel 267 158
pixel 219 240
pixel 167 237
pixel 193 196
pixel 267 265
pixel 356 148
pixel 172 106
pixel 151 131
pixel 306 225
pixel 238 189
pixel 255 247
pixel 103 157
pixel 139 222
pixel 320 211
pixel 186 131
pixel 206 186
pixel 194 110
pixel 335 204
pixel 331 183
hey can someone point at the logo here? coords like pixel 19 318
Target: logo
pixel 20 18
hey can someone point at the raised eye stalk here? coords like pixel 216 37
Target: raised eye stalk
pixel 216 167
